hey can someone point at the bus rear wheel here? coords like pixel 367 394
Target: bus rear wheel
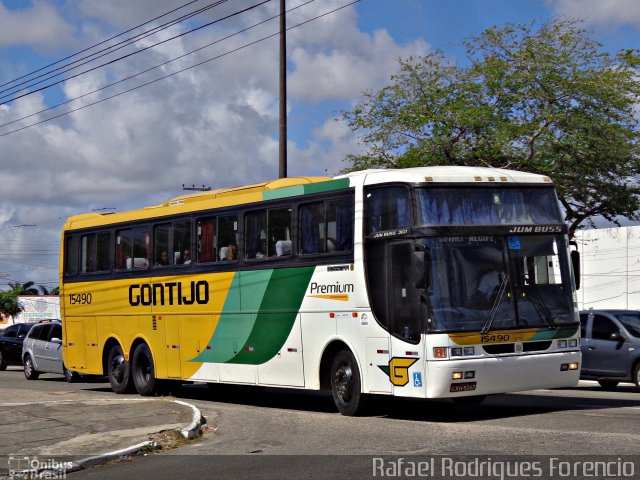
pixel 118 370
pixel 143 371
pixel 346 384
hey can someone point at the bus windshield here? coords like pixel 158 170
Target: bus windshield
pixel 494 282
pixel 487 206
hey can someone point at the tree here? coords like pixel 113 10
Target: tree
pixel 545 100
pixel 26 288
pixel 9 304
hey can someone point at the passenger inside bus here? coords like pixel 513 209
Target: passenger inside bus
pixel 163 260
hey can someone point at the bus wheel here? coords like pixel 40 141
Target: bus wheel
pixel 118 370
pixel 345 383
pixel 143 372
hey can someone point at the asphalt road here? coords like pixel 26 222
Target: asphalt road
pixel 274 433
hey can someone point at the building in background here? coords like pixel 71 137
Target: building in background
pixel 610 266
pixel 36 308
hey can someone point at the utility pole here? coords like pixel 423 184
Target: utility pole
pixel 283 92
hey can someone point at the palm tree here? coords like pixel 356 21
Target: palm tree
pixel 26 288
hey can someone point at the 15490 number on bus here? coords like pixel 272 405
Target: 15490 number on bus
pixel 80 298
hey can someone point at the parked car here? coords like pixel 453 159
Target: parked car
pixel 11 339
pixel 42 351
pixel 610 346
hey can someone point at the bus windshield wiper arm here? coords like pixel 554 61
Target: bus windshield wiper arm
pixel 494 309
pixel 541 308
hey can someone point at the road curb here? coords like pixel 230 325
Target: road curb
pixel 193 430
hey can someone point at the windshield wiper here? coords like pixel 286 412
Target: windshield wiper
pixel 494 308
pixel 541 308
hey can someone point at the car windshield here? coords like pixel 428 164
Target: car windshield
pixel 631 322
pixel 490 282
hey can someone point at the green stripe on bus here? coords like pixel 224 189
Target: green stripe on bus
pixel 278 312
pixel 272 299
pixel 306 189
pixel 550 334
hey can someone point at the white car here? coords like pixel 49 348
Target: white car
pixel 42 351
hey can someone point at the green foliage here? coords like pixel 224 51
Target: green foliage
pixel 27 288
pixel 544 100
pixel 9 304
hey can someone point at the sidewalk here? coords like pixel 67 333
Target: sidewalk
pixel 86 432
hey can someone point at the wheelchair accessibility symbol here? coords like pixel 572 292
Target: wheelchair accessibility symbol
pixel 417 379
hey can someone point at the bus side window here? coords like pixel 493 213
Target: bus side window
pixel 71 255
pixel 327 226
pixel 387 208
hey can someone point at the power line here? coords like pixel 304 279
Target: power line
pixel 151 68
pixel 177 72
pixel 126 56
pixel 96 44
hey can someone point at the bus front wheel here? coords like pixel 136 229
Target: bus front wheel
pixel 118 370
pixel 143 371
pixel 345 383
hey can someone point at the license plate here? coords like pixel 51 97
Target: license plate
pixel 463 387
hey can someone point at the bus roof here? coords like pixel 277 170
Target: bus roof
pixel 453 174
pixel 211 199
pixel 286 187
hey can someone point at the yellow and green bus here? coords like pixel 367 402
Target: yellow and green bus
pixel 426 282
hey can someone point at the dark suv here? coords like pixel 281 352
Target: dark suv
pixel 11 339
pixel 610 346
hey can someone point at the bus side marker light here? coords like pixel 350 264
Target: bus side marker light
pixel 457 375
pixel 414 354
pixel 248 349
pixel 354 314
pixel 292 350
pixel 440 352
pixel 332 315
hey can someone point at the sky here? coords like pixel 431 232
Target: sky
pixel 215 124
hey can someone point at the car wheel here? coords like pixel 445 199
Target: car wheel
pixel 29 370
pixel 3 365
pixel 143 371
pixel 345 383
pixel 636 376
pixel 69 375
pixel 118 370
pixel 608 384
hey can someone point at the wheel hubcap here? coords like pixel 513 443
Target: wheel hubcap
pixel 343 381
pixel 117 368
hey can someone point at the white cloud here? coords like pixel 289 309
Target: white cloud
pixel 40 26
pixel 600 12
pixel 215 125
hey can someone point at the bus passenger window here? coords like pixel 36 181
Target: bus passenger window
pixel 268 233
pixel 387 208
pixel 327 226
pixel 71 256
pixel 206 232
pixel 182 242
pixel 132 248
